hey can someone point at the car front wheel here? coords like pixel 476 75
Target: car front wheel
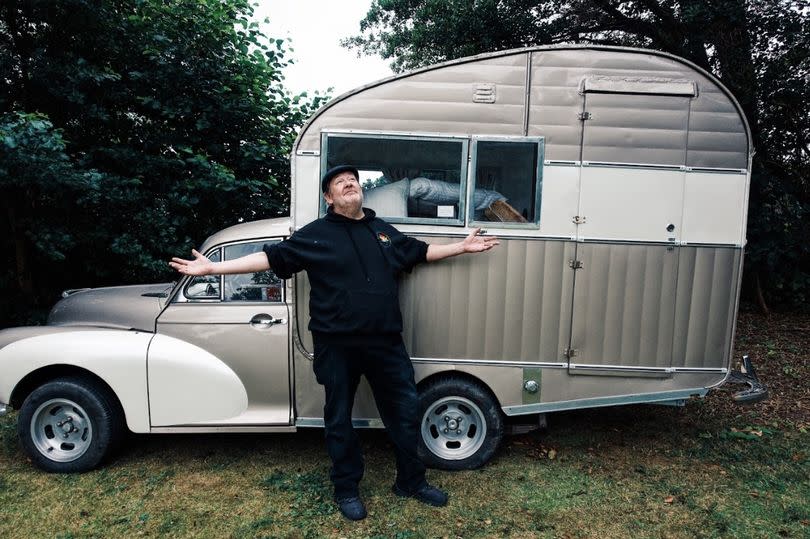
pixel 69 425
pixel 461 425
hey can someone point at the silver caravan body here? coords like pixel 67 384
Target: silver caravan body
pixel 621 288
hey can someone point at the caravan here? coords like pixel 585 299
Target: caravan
pixel 617 181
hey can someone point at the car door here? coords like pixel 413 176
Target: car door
pixel 242 320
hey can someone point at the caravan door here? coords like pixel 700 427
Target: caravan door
pixel 632 175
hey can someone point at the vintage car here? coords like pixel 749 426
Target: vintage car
pixel 617 181
pixel 204 354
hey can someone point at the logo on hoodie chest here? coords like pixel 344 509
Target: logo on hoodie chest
pixel 384 240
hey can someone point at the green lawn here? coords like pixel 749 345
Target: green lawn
pixel 707 470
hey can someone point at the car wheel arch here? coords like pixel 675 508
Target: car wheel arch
pixel 49 373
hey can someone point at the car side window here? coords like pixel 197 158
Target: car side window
pixel 259 286
pixel 204 286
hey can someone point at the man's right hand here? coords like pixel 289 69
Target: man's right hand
pixel 199 266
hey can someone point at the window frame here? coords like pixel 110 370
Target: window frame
pixel 182 297
pixel 538 181
pixel 461 217
pixel 204 299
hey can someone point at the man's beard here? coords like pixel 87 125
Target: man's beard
pixel 349 207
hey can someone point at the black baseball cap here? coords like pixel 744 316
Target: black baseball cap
pixel 334 171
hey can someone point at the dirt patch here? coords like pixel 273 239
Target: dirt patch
pixel 779 347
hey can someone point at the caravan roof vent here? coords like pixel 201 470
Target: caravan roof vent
pixel 638 85
pixel 484 93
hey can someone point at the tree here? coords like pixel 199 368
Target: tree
pixel 132 129
pixel 759 50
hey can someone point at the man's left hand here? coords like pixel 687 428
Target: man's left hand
pixel 475 243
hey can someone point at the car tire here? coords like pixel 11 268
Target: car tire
pixel 461 424
pixel 70 425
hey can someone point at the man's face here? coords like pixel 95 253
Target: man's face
pixel 344 191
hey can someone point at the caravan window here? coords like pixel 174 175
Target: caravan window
pixel 405 178
pixel 507 180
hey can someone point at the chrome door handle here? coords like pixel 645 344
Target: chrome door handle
pixel 265 321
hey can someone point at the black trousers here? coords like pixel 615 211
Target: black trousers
pixel 383 360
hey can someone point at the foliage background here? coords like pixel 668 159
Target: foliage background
pixel 758 49
pixel 129 131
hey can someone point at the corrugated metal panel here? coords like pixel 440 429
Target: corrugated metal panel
pixel 624 305
pixel 630 128
pixel 707 287
pixel 511 304
pixel 634 306
pixel 437 101
pixel 555 102
pixel 441 100
pixel 717 136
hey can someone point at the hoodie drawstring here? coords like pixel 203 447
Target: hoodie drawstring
pixel 357 252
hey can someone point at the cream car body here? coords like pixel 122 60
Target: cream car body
pixel 150 397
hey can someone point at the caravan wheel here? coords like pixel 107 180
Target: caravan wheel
pixel 461 425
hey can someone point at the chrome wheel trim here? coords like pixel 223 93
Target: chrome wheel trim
pixel 61 430
pixel 453 428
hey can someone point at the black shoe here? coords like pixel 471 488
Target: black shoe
pixel 352 508
pixel 427 494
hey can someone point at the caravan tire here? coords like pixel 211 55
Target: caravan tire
pixel 461 424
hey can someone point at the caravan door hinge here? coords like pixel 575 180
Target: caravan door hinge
pixel 575 264
pixel 584 115
pixel 570 352
pixel 579 220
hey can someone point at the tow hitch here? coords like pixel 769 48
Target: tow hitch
pixel 747 375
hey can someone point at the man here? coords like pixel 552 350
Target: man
pixel 353 259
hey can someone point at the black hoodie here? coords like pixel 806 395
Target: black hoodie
pixel 353 266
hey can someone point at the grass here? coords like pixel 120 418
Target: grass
pixel 707 470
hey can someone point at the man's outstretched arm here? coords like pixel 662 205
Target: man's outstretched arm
pixel 202 266
pixel 471 244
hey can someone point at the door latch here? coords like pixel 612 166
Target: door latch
pixel 265 321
